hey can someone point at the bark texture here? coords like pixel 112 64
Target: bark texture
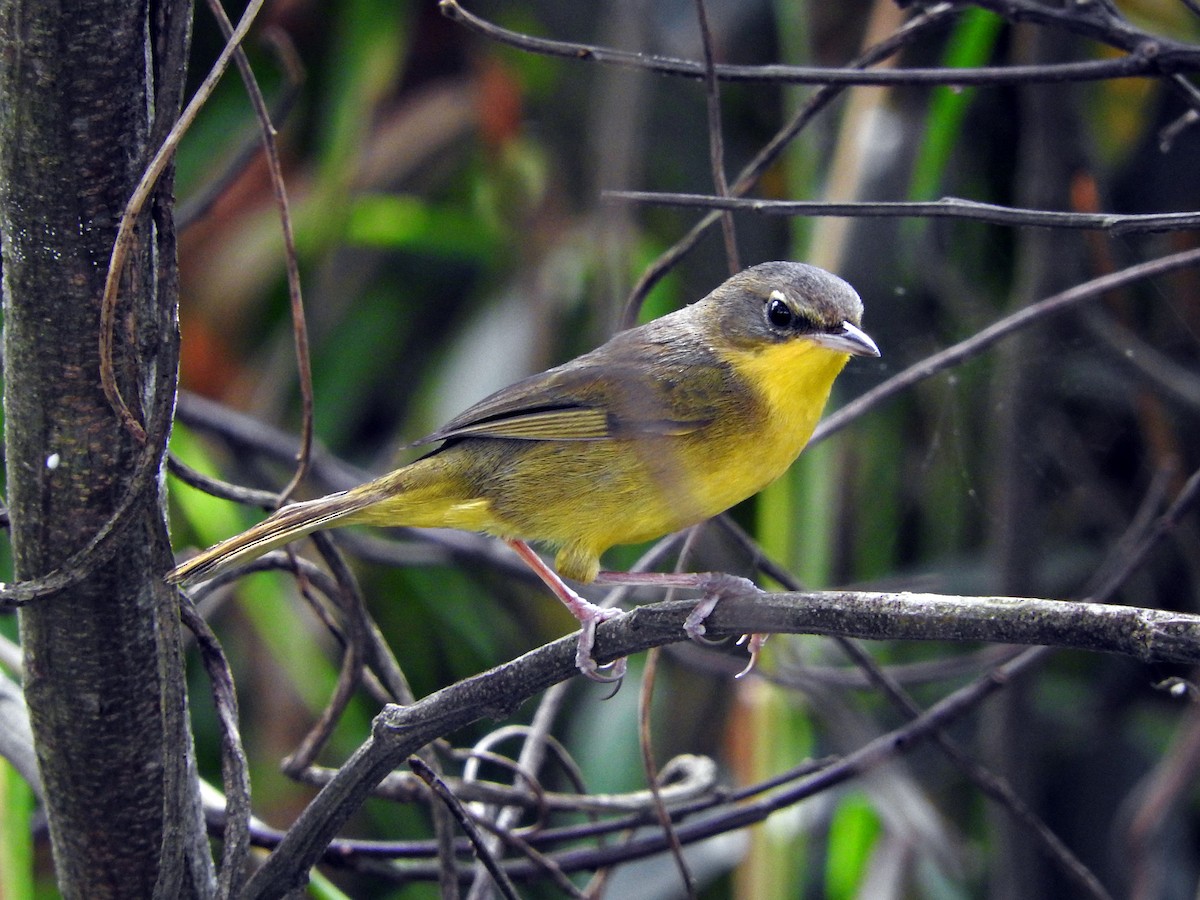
pixel 83 101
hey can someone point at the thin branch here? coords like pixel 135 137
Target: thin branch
pixel 1167 378
pixel 295 299
pixel 1148 56
pixel 1145 634
pixel 985 338
pixel 1150 805
pixel 1099 21
pixel 646 745
pixel 235 774
pixel 849 677
pixel 645 736
pixel 133 210
pixel 350 674
pixel 1164 525
pixel 691 778
pixel 945 208
pixel 197 206
pixel 538 742
pixel 634 807
pixel 443 793
pixel 716 143
pixel 774 148
pixel 217 487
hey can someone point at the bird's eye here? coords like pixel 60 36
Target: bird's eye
pixel 779 313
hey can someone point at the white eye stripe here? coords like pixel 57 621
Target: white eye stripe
pixel 778 295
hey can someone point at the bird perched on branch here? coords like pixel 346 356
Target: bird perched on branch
pixel 661 427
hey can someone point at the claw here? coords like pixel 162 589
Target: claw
pixel 717 585
pixel 693 625
pixel 713 586
pixel 585 661
pixel 754 643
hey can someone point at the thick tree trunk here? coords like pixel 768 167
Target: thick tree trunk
pixel 83 100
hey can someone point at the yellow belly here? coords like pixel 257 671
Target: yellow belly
pixel 586 496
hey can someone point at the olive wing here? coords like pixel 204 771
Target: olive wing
pixel 632 386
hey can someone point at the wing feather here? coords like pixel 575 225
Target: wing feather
pixel 632 386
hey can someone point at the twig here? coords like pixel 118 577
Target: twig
pixel 482 852
pixel 692 777
pixel 774 148
pixel 133 209
pixel 645 735
pixel 296 301
pixel 1167 378
pixel 197 206
pixel 849 677
pixel 1150 804
pixel 350 675
pixel 1101 22
pixel 946 208
pixel 218 487
pixel 716 144
pixel 235 773
pixel 534 794
pixel 1148 56
pixel 985 338
pixel 533 753
pixel 646 744
pixel 1164 525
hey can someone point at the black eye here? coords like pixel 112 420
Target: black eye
pixel 779 313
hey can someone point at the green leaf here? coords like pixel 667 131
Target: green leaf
pixel 852 836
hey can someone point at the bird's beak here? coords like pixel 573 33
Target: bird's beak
pixel 850 339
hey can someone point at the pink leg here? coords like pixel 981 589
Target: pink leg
pixel 589 615
pixel 715 585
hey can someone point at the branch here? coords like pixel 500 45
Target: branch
pixel 133 209
pixel 1099 21
pixel 1152 636
pixel 1148 56
pixel 716 141
pixel 997 331
pixel 292 266
pixel 946 208
pixel 821 98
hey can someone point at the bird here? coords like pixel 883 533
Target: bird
pixel 663 426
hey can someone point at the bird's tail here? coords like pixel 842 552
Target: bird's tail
pixel 289 523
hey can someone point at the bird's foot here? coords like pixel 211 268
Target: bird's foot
pixel 716 586
pixel 589 615
pixel 713 585
pixel 584 660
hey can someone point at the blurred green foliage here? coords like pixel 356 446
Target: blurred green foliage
pixel 452 238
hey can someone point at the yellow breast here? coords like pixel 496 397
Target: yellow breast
pixel 699 475
pixel 791 382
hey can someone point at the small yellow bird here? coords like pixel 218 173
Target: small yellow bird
pixel 662 427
